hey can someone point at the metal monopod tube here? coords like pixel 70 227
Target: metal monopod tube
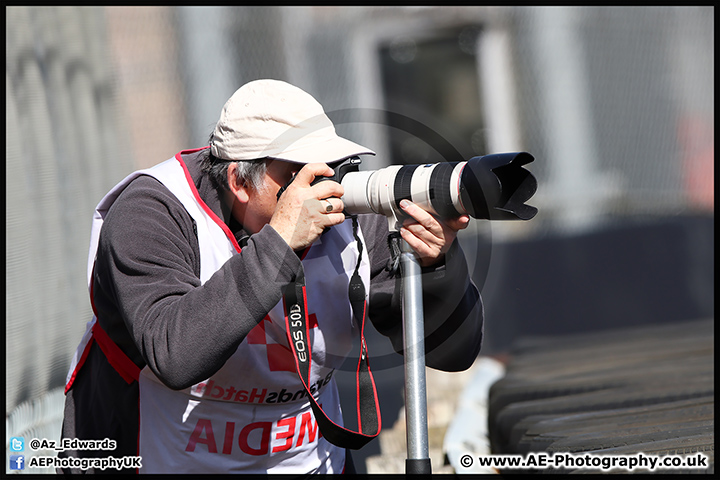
pixel 418 458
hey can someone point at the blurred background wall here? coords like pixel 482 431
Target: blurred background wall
pixel 615 103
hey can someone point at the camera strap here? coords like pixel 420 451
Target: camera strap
pixel 367 405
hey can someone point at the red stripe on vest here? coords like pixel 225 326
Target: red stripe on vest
pixel 79 364
pixel 117 358
pixel 204 206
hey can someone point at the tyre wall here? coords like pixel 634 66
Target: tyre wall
pixel 644 389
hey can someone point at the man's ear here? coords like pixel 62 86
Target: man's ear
pixel 238 187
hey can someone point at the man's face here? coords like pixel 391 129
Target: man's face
pixel 262 201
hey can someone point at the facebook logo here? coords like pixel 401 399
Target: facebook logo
pixel 17 462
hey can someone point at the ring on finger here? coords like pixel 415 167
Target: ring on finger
pixel 329 206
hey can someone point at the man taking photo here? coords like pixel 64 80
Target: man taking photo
pixel 197 271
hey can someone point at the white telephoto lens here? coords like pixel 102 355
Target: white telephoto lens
pixel 355 198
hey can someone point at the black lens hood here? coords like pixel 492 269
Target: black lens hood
pixel 496 187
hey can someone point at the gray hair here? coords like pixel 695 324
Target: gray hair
pixel 250 172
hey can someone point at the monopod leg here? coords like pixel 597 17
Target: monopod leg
pixel 418 460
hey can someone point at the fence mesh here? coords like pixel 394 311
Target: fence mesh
pixel 647 94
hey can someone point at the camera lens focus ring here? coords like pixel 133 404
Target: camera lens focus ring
pixel 402 187
pixel 439 190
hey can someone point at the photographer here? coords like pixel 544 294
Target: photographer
pixel 187 362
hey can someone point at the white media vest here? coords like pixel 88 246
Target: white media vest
pixel 252 415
